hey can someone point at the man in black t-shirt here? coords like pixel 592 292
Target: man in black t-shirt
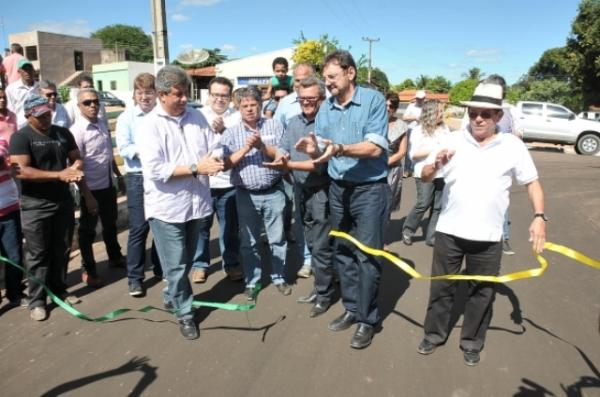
pixel 41 153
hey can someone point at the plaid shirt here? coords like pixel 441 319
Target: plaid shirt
pixel 250 173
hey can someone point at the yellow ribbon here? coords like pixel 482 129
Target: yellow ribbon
pixel 536 272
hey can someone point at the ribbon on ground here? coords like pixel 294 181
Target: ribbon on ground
pixel 523 274
pixel 116 313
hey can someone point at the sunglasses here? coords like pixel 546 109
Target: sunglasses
pixel 51 94
pixel 308 99
pixel 89 102
pixel 485 114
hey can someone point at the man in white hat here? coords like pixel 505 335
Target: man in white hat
pixel 478 165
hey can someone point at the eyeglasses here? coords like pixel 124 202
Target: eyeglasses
pixel 309 99
pixel 89 102
pixel 51 94
pixel 220 96
pixel 486 114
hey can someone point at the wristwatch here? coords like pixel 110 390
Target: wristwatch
pixel 194 169
pixel 541 215
pixel 339 150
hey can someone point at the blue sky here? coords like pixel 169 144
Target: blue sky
pixel 429 37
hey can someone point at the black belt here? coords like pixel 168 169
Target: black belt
pixel 135 173
pixel 261 191
pixel 349 184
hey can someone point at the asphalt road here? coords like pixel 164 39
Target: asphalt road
pixel 544 339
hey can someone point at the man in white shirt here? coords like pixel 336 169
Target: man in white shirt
pixel 18 91
pixel 72 106
pixel 60 116
pixel 478 165
pixel 220 116
pixel 411 116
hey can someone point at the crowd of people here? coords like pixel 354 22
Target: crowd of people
pixel 326 153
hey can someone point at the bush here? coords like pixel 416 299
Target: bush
pixel 63 93
pixel 462 91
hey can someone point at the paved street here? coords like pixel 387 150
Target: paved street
pixel 544 339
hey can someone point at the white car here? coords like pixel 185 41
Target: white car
pixel 590 115
pixel 553 123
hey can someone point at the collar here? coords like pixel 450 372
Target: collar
pixel 306 121
pixel 469 137
pixel 20 84
pixel 356 99
pixel 96 126
pixel 259 124
pixel 178 119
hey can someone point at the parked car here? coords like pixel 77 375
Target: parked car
pixel 590 115
pixel 553 123
pixel 109 99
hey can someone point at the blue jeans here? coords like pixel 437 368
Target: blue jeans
pixel 11 242
pixel 506 227
pixel 229 240
pixel 176 244
pixel 429 194
pixel 138 232
pixel 255 210
pixel 360 211
pixel 298 229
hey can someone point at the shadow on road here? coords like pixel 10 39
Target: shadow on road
pixel 133 365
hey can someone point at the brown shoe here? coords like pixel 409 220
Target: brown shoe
pixel 199 276
pixel 235 273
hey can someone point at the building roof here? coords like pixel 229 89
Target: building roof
pixel 209 71
pixel 409 95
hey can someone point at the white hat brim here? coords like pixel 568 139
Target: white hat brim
pixel 482 105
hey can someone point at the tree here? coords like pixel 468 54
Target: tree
pixel 422 81
pixel 136 43
pixel 462 91
pixel 474 74
pixel 314 51
pixel 438 84
pixel 378 77
pixel 556 63
pixel 215 57
pixel 407 84
pixel 555 91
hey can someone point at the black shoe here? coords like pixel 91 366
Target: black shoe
pixel 188 329
pixel 506 248
pixel 426 347
pixel 168 306
pixel 21 300
pixel 471 357
pixel 137 290
pixel 406 239
pixel 363 336
pixel 311 298
pixel 249 292
pixel 431 242
pixel 343 322
pixel 319 308
pixel 284 288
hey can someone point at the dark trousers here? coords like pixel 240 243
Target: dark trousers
pixel 48 233
pixel 482 258
pixel 360 211
pixel 314 208
pixel 138 232
pixel 107 212
pixel 429 194
pixel 11 243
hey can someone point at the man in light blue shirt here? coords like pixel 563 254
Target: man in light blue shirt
pixel 144 96
pixel 289 106
pixel 352 128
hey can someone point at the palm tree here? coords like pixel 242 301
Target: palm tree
pixel 474 74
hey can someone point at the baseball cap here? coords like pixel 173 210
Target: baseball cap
pixel 23 62
pixel 420 94
pixel 36 105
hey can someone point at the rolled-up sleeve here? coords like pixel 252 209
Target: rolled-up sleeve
pixel 155 165
pixel 377 123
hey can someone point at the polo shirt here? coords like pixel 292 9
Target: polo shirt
pixel 478 181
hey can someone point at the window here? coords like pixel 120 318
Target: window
pixel 532 109
pixel 558 112
pixel 99 85
pixel 113 85
pixel 78 58
pixel 31 53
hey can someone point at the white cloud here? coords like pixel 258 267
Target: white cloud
pixel 486 55
pixel 78 27
pixel 186 46
pixel 179 17
pixel 228 47
pixel 205 3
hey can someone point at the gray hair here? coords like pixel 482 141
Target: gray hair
pixel 249 92
pixel 311 82
pixel 46 85
pixel 305 65
pixel 169 77
pixel 85 91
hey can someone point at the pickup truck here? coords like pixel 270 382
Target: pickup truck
pixel 553 123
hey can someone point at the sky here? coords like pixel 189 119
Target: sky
pixel 426 37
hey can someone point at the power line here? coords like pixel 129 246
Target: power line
pixel 370 40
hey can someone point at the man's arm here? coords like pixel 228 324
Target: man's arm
pixel 24 171
pixel 125 139
pixel 537 229
pixel 237 156
pixel 90 201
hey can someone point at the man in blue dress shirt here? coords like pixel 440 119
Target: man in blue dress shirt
pixel 351 131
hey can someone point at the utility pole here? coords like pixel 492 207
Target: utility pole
pixel 159 34
pixel 370 40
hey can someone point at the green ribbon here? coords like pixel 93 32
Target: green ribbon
pixel 116 313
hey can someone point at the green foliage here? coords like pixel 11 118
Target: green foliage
pixel 422 82
pixel 474 74
pixel 551 90
pixel 557 63
pixel 438 84
pixel 405 85
pixel 314 51
pixel 378 78
pixel 64 93
pixel 215 57
pixel 136 43
pixel 462 91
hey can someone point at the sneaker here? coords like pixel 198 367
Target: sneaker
pixel 199 276
pixel 136 289
pixel 189 329
pixel 235 273
pixel 71 299
pixel 426 347
pixel 21 300
pixel 284 288
pixel 38 314
pixel 406 239
pixel 305 271
pixel 91 281
pixel 471 357
pixel 506 248
pixel 249 292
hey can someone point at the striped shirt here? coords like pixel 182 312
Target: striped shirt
pixel 250 173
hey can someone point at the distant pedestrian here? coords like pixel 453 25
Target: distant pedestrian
pixel 60 117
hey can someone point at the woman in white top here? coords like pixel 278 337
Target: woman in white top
pixel 424 139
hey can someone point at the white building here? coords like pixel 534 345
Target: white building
pixel 253 70
pixel 118 77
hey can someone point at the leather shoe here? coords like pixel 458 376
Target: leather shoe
pixel 319 308
pixel 188 329
pixel 343 322
pixel 363 336
pixel 471 357
pixel 284 289
pixel 426 347
pixel 310 298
